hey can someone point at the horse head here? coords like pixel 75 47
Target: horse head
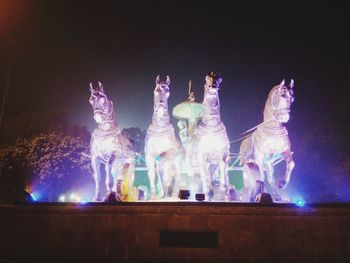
pixel 211 101
pixel 102 107
pixel 161 95
pixel 279 102
pixel 97 88
pixel 212 82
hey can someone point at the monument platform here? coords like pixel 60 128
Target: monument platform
pixel 174 232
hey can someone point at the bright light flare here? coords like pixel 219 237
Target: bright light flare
pixel 35 196
pixel 73 197
pixel 83 201
pixel 300 202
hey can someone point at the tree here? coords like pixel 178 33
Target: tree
pixel 13 171
pixel 50 163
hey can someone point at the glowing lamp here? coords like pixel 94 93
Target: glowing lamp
pixel 200 197
pixel 83 202
pixel 62 198
pixel 72 196
pixel 300 202
pixel 28 197
pixel 184 194
pixel 34 197
pixel 77 198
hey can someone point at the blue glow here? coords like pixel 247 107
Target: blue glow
pixel 34 196
pixel 83 202
pixel 300 202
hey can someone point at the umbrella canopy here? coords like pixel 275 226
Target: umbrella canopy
pixel 188 110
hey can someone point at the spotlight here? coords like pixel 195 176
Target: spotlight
pixel 28 197
pixel 184 194
pixel 62 198
pixel 300 203
pixel 263 198
pixel 200 197
pixel 72 197
pixel 34 197
pixel 83 202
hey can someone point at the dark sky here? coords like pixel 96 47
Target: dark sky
pixel 58 47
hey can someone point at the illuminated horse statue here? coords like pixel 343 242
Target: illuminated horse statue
pixel 268 144
pixel 212 141
pixel 109 147
pixel 161 145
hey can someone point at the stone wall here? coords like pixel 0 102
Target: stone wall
pixel 132 232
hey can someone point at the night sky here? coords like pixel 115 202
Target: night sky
pixel 57 47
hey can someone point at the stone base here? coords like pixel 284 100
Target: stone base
pixel 175 232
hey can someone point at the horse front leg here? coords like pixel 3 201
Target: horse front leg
pixel 223 175
pixel 161 173
pixel 251 172
pixel 203 174
pixel 224 181
pixel 259 174
pixel 176 177
pixel 269 170
pixel 109 177
pixel 150 161
pixel 116 179
pixel 170 180
pixel 283 182
pixel 167 177
pixel 96 165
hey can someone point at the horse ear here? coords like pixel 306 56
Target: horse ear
pixel 281 85
pixel 167 80
pixel 291 84
pixel 91 87
pixel 207 78
pixel 157 80
pixel 100 86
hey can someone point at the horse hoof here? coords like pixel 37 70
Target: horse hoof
pixel 282 184
pixel 223 188
pixel 152 197
pixel 109 197
pixel 118 197
pixel 263 198
pixel 277 198
pixel 97 198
